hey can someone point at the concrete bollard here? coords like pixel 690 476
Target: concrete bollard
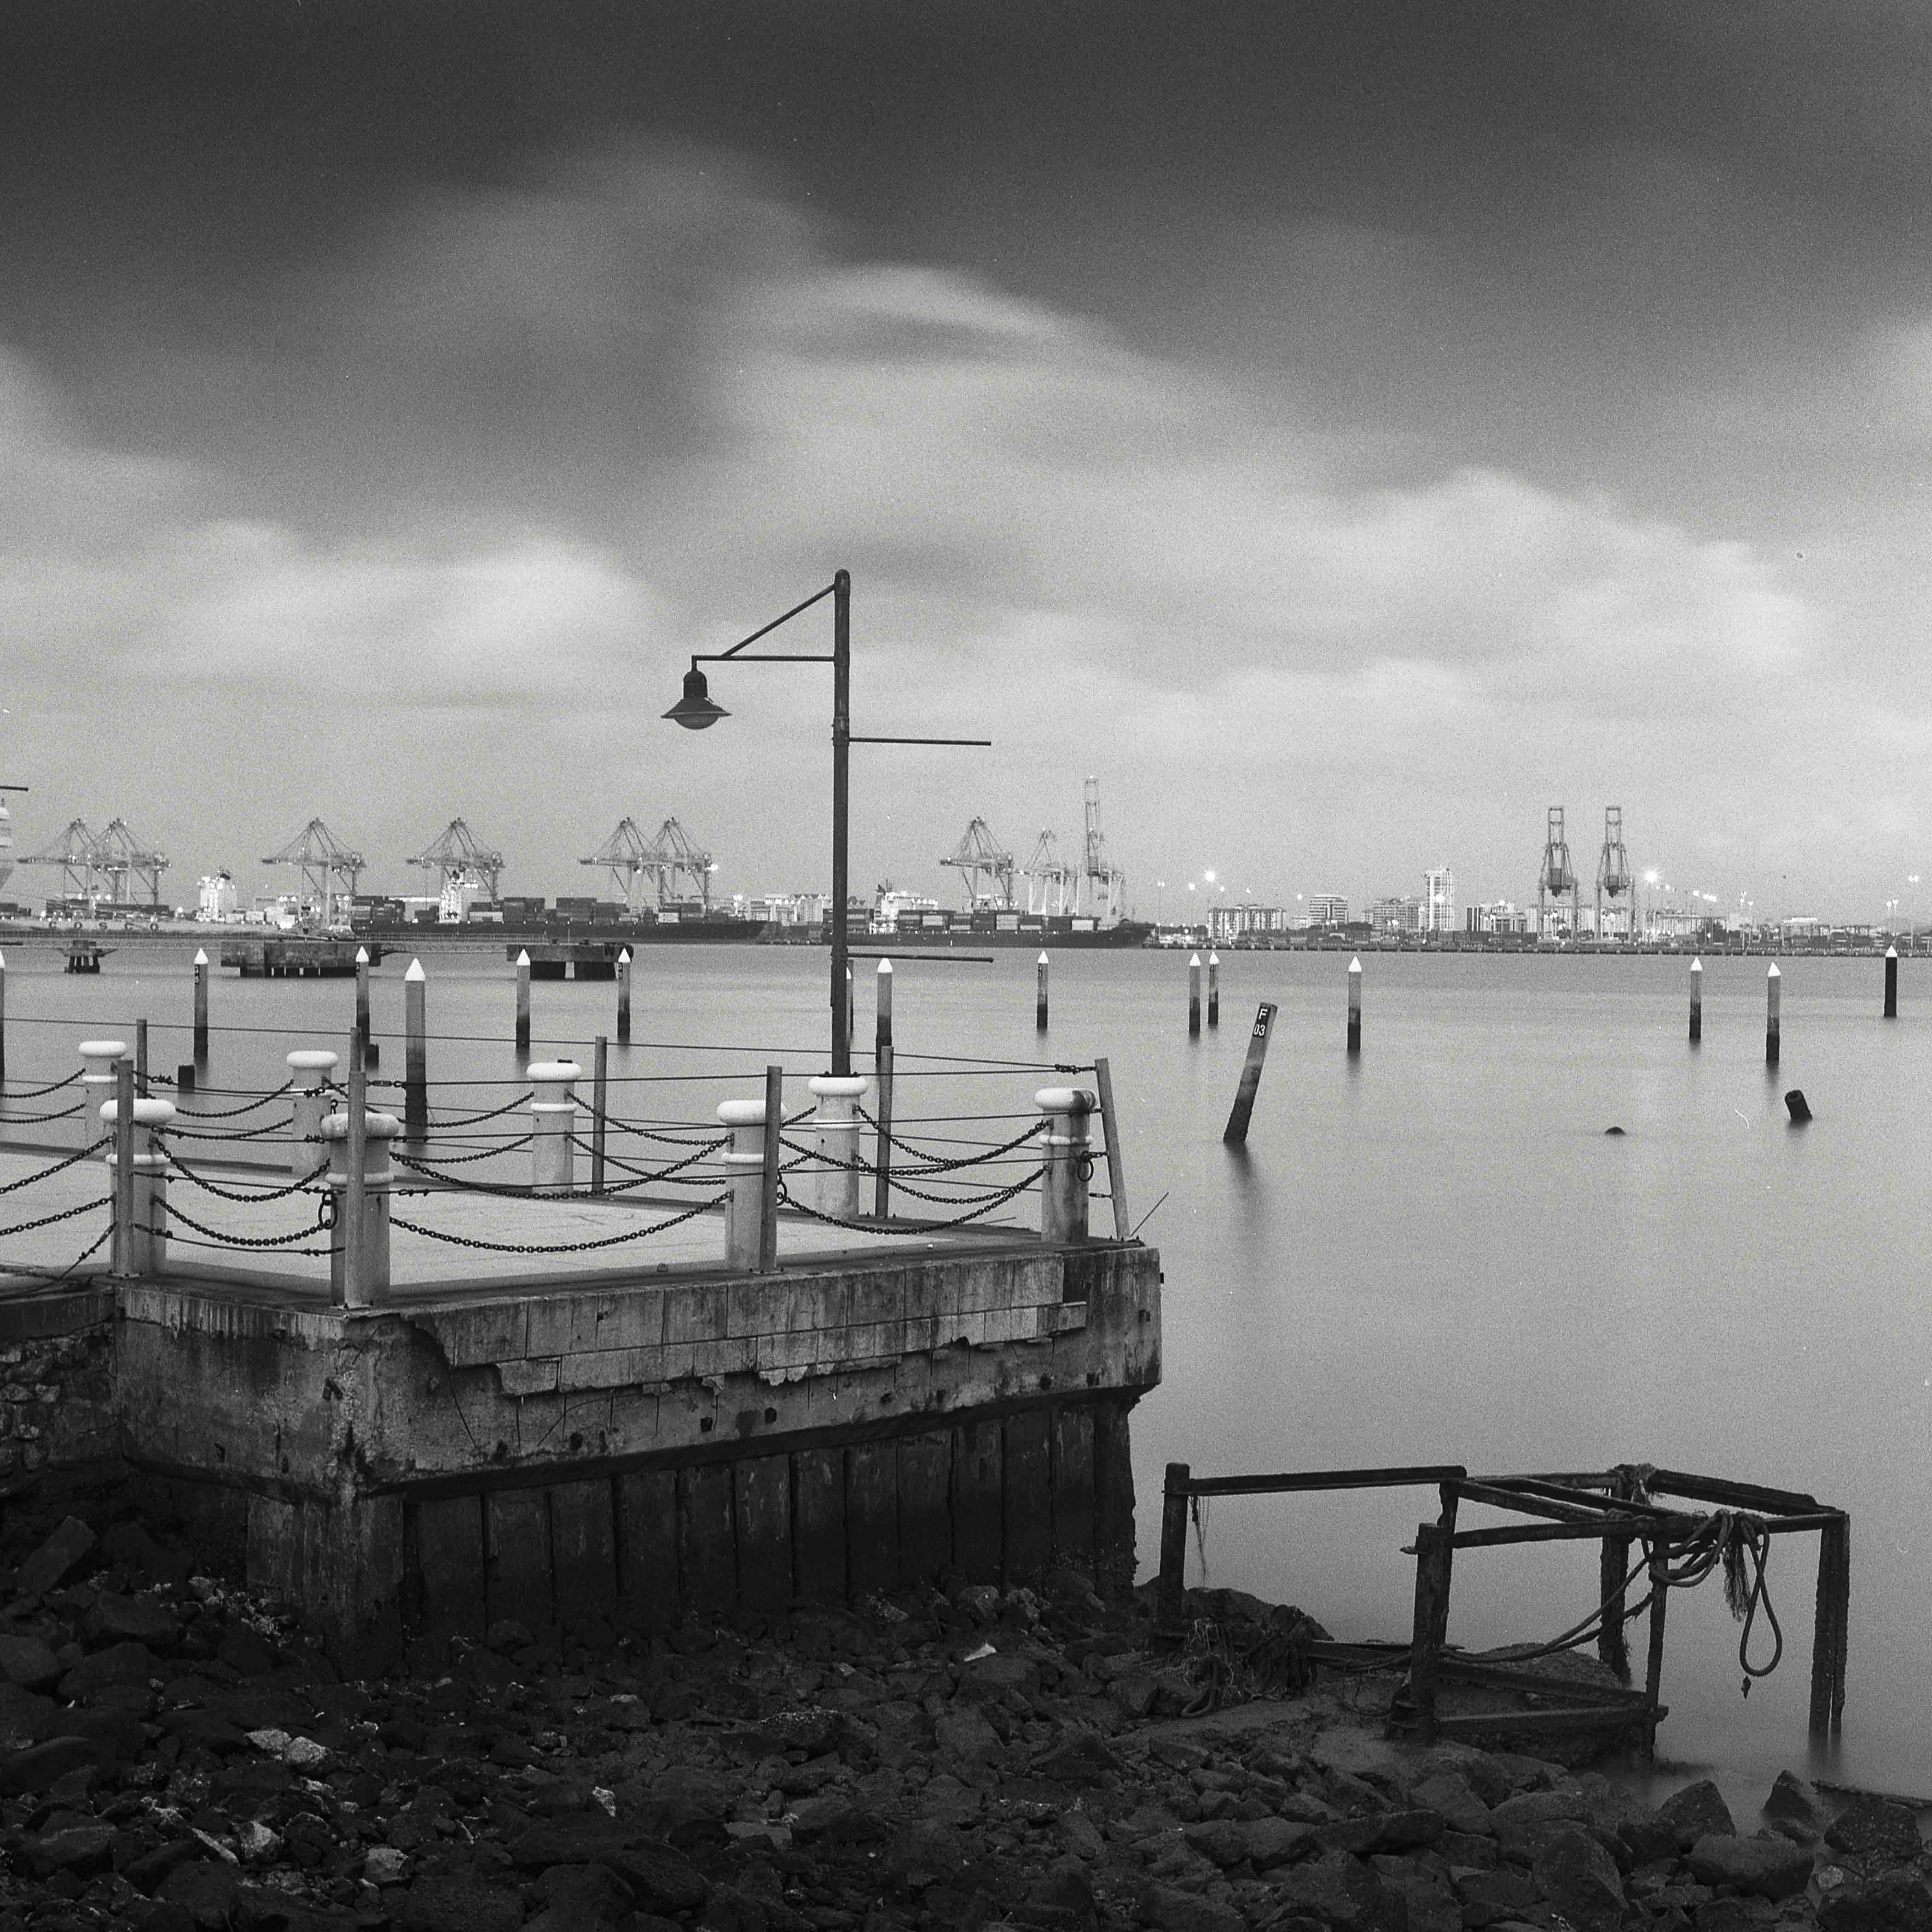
pixel 1891 982
pixel 1213 990
pixel 1774 982
pixel 1193 994
pixel 624 997
pixel 1039 972
pixel 1062 1193
pixel 200 1007
pixel 523 1002
pixel 415 1052
pixel 1696 1001
pixel 369 1280
pixel 1355 1005
pixel 97 1083
pixel 311 1066
pixel 838 1124
pixel 144 1246
pixel 553 1125
pixel 744 1165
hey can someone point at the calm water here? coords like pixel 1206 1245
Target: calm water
pixel 1433 1254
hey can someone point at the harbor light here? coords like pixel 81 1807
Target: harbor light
pixel 695 710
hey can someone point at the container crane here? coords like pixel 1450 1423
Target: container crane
pixel 1051 883
pixel 77 853
pixel 459 858
pixel 1102 885
pixel 986 865
pixel 129 860
pixel 1557 876
pixel 1614 879
pixel 672 857
pixel 328 869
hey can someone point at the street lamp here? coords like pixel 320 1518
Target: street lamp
pixel 697 711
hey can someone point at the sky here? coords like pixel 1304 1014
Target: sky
pixel 1343 432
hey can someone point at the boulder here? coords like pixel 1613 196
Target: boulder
pixel 1772 1868
pixel 963 1732
pixel 1697 1811
pixel 118 1619
pixel 118 1663
pixel 27 1662
pixel 1579 1879
pixel 461 1903
pixel 1875 1828
pixel 1489 1897
pixel 661 1880
pixel 1897 1901
pixel 1168 1909
pixel 1342 1895
pixel 56 1559
pixel 1271 1842
pixel 1793 1809
pixel 1452 1795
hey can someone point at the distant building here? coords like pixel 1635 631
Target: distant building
pixel 1227 923
pixel 1503 915
pixel 1439 902
pixel 1327 909
pixel 1394 915
pixel 781 908
pixel 215 901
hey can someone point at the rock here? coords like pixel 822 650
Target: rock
pixel 1219 1839
pixel 1896 1902
pixel 1452 1795
pixel 1080 1835
pixel 119 1663
pixel 1080 1758
pixel 27 1662
pixel 244 1648
pixel 1134 1692
pixel 118 1619
pixel 1646 1834
pixel 204 1889
pixel 1270 1842
pixel 39 1766
pixel 580 1895
pixel 1697 1811
pixel 963 1732
pixel 1343 1895
pixel 1488 1897
pixel 70 1844
pixel 1579 1879
pixel 56 1559
pixel 1432 1905
pixel 1064 1897
pixel 1875 1828
pixel 1381 1831
pixel 1772 1868
pixel 384 1865
pixel 461 1903
pixel 834 1817
pixel 1168 1909
pixel 999 1679
pixel 1793 1809
pixel 147 1871
pixel 661 1878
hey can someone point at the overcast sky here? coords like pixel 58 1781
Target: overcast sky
pixel 1345 431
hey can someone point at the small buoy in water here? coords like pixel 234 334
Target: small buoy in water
pixel 1618 1131
pixel 1797 1106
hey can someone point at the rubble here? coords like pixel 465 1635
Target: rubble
pixel 173 1757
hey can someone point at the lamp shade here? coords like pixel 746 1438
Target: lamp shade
pixel 694 710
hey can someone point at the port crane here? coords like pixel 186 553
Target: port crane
pixel 128 859
pixel 1102 889
pixel 1051 883
pixel 673 858
pixel 328 869
pixel 458 857
pixel 986 866
pixel 76 851
pixel 1614 879
pixel 1557 876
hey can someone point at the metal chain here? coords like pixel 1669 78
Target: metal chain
pixel 302 1186
pixel 509 1190
pixel 786 1196
pixel 938 1164
pixel 65 1214
pixel 642 1178
pixel 495 1113
pixel 554 1248
pixel 52 1086
pixel 596 1113
pixel 41 1173
pixel 227 1240
pixel 247 1107
pixel 464 1159
pixel 49 1276
pixel 239 1134
pixel 34 1119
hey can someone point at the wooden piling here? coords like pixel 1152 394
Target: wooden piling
pixel 1039 971
pixel 141 1059
pixel 624 997
pixel 1354 1007
pixel 1116 1170
pixel 523 1001
pixel 882 1081
pixel 416 1054
pixel 1435 1552
pixel 200 1008
pixel 1831 1628
pixel 1236 1131
pixel 1214 989
pixel 600 1100
pixel 1774 982
pixel 1171 1594
pixel 1891 982
pixel 1696 1001
pixel 768 1211
pixel 1193 995
pixel 1613 1567
pixel 1657 1555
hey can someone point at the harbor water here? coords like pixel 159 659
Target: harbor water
pixel 1434 1252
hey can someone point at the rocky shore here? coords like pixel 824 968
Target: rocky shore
pixel 172 1756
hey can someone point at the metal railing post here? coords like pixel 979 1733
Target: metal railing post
pixel 354 1289
pixel 768 1181
pixel 600 1106
pixel 124 1167
pixel 1116 1170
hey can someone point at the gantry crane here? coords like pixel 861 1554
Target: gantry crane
pixel 329 869
pixel 77 853
pixel 1102 885
pixel 1614 879
pixel 674 856
pixel 1557 876
pixel 127 859
pixel 458 857
pixel 986 865
pixel 1051 883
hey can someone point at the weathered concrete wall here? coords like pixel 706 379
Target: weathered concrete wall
pixel 621 1454
pixel 56 1381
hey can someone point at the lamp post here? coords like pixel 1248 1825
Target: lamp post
pixel 696 712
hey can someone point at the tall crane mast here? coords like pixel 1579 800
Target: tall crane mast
pixel 986 867
pixel 1614 879
pixel 1557 876
pixel 76 851
pixel 627 854
pixel 458 857
pixel 127 859
pixel 328 869
pixel 1102 885
pixel 1051 883
pixel 676 856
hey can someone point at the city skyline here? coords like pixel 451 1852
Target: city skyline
pixel 1342 432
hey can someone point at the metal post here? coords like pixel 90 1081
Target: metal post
pixel 1213 990
pixel 362 1004
pixel 1696 1001
pixel 600 1104
pixel 768 1205
pixel 1891 982
pixel 882 1070
pixel 1355 1005
pixel 124 1167
pixel 624 997
pixel 1117 1167
pixel 200 1008
pixel 523 1002
pixel 1171 1594
pixel 841 759
pixel 1774 982
pixel 1236 1131
pixel 1193 995
pixel 354 1292
pixel 3 1018
pixel 416 1053
pixel 140 1060
pixel 1039 994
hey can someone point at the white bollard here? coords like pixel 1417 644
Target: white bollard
pixel 838 1125
pixel 97 1085
pixel 745 1166
pixel 311 1066
pixel 145 1250
pixel 1063 1193
pixel 378 1176
pixel 553 1125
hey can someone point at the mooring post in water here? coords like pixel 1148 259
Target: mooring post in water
pixel 744 1165
pixel 1039 994
pixel 554 1125
pixel 310 1069
pixel 624 997
pixel 1830 1628
pixel 1214 989
pixel 140 1060
pixel 415 1051
pixel 523 1000
pixel 1062 1187
pixel 600 1108
pixel 1613 1567
pixel 1355 1005
pixel 200 1007
pixel 1193 994
pixel 1170 1593
pixel 1891 982
pixel 836 1119
pixel 1236 1131
pixel 1434 1548
pixel 1774 982
pixel 99 1057
pixel 371 1054
pixel 1657 1554
pixel 882 1071
pixel 1696 1001
pixel 1117 1167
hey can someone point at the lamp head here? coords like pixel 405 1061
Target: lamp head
pixel 694 710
